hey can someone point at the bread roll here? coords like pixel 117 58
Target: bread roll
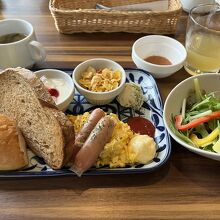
pixel 13 154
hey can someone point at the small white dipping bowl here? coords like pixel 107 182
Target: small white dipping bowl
pixel 67 93
pixel 98 98
pixel 157 45
pixel 209 82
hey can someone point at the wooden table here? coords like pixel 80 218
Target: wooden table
pixel 186 187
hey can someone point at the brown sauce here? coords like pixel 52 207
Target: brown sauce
pixel 158 60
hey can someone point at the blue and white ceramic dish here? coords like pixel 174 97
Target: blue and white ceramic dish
pixel 152 109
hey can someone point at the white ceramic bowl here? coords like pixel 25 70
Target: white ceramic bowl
pixel 157 45
pixel 67 93
pixel 98 98
pixel 209 82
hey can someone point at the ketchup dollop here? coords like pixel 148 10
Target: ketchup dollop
pixel 141 125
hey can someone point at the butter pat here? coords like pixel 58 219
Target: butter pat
pixel 131 96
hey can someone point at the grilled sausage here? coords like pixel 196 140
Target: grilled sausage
pixel 94 145
pixel 85 131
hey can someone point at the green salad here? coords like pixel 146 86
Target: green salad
pixel 199 120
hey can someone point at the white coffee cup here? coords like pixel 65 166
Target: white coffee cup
pixel 189 4
pixel 23 53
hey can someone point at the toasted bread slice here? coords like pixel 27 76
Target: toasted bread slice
pixel 49 105
pixel 38 86
pixel 41 130
pixel 68 133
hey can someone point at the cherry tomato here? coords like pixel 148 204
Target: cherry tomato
pixel 141 125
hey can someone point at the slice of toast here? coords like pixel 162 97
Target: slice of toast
pixel 49 105
pixel 41 130
pixel 38 86
pixel 68 133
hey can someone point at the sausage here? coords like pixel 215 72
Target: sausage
pixel 85 131
pixel 94 145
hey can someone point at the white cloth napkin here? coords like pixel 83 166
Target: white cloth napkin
pixel 160 5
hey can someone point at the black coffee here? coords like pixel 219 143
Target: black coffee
pixel 10 38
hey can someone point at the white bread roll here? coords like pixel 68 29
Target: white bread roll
pixel 13 154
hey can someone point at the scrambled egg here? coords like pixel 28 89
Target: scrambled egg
pixel 125 147
pixel 115 153
pixel 78 121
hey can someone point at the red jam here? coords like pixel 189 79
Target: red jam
pixel 142 126
pixel 53 92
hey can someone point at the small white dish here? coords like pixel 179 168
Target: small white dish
pixel 98 98
pixel 157 45
pixel 62 82
pixel 209 82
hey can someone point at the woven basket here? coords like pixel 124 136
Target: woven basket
pixel 72 16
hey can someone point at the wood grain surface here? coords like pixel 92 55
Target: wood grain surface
pixel 186 187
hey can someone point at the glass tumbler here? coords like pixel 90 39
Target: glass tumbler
pixel 203 40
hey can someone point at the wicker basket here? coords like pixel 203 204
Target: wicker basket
pixel 72 16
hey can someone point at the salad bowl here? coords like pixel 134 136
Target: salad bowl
pixel 208 83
